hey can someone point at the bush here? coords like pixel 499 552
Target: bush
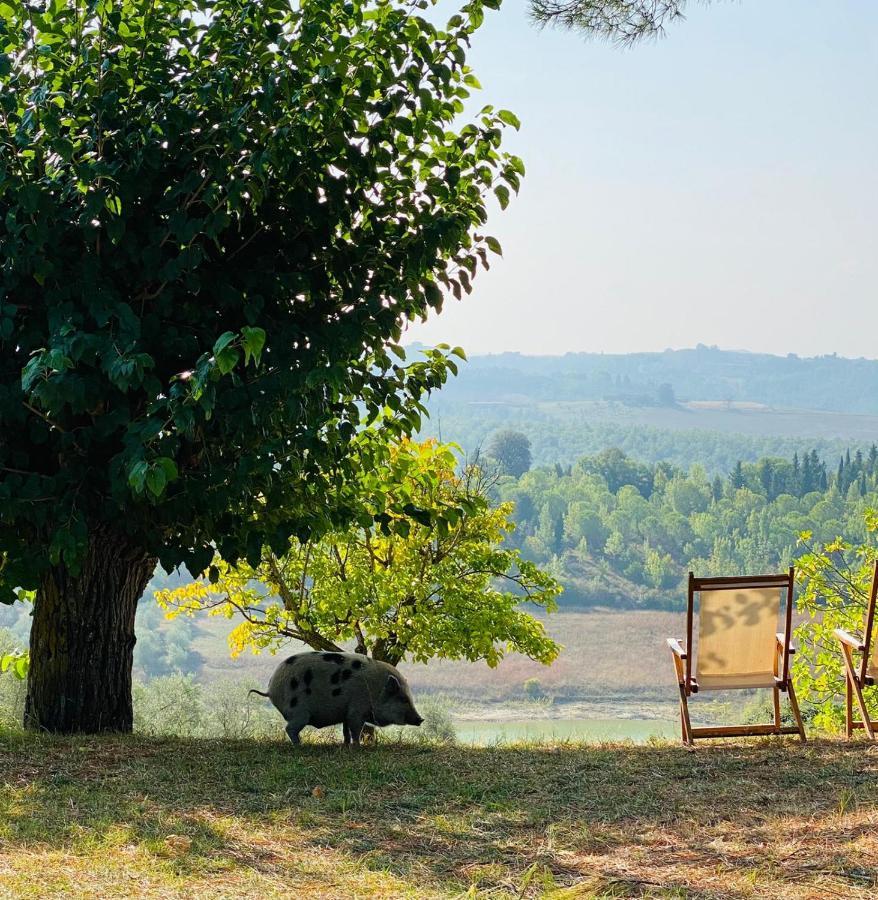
pixel 533 689
pixel 230 712
pixel 12 689
pixel 437 726
pixel 178 705
pixel 169 705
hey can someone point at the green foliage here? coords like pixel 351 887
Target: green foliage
pixel 835 580
pixel 437 727
pixel 564 432
pixel 163 647
pixel 216 218
pixel 533 689
pixel 615 531
pixel 511 451
pixel 424 576
pixel 14 660
pixel 12 678
pixel 179 705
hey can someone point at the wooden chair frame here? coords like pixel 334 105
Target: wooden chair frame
pixel 688 685
pixel 856 678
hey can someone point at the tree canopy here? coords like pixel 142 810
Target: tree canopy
pixel 511 451
pixel 836 579
pixel 429 578
pixel 216 214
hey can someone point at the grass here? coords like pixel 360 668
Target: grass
pixel 128 816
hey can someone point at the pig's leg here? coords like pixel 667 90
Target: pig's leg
pixel 346 731
pixel 354 726
pixel 292 730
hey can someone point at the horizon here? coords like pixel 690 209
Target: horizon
pixel 417 345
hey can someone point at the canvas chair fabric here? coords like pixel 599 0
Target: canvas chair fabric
pixel 737 644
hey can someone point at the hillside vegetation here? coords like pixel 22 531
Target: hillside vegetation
pixel 622 533
pixel 132 817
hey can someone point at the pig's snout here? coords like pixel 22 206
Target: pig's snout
pixel 414 719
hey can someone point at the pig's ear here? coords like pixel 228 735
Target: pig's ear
pixel 392 687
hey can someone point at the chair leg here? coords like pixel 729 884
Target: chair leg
pixel 848 707
pixel 794 703
pixel 853 683
pixel 777 718
pixel 685 723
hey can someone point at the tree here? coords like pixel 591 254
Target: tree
pixel 511 451
pixel 836 578
pixel 421 583
pixel 665 395
pixel 216 218
pixel 621 21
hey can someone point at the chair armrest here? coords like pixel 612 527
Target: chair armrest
pixel 851 640
pixel 676 648
pixel 781 640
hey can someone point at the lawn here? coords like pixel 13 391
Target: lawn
pixel 129 816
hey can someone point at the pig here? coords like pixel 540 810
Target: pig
pixel 328 688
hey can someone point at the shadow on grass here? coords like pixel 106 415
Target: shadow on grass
pixel 765 818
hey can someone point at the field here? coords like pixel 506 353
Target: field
pixel 728 418
pixel 612 664
pixel 132 817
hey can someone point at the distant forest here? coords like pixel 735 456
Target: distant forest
pixel 829 383
pixel 622 533
pixel 563 435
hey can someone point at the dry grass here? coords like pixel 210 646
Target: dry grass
pixel 606 656
pixel 130 817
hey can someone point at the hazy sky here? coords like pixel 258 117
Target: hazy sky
pixel 716 186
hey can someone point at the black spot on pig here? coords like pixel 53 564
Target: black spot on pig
pixel 309 675
pixel 346 674
pixel 294 683
pixel 337 658
pixel 357 664
pixel 334 678
pixel 336 692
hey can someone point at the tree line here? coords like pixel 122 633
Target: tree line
pixel 615 530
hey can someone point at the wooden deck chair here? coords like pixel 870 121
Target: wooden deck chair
pixel 739 646
pixel 866 673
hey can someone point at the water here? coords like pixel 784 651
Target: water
pixel 637 730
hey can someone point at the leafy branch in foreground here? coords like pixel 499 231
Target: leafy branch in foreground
pixel 835 578
pixel 427 577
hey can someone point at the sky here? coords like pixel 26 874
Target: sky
pixel 717 186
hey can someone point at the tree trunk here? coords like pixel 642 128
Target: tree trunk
pixel 82 639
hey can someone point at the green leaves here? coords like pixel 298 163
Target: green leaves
pixel 835 581
pixel 152 477
pixel 216 220
pixel 253 342
pixel 421 577
pixel 17 663
pixel 509 118
pixel 226 353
